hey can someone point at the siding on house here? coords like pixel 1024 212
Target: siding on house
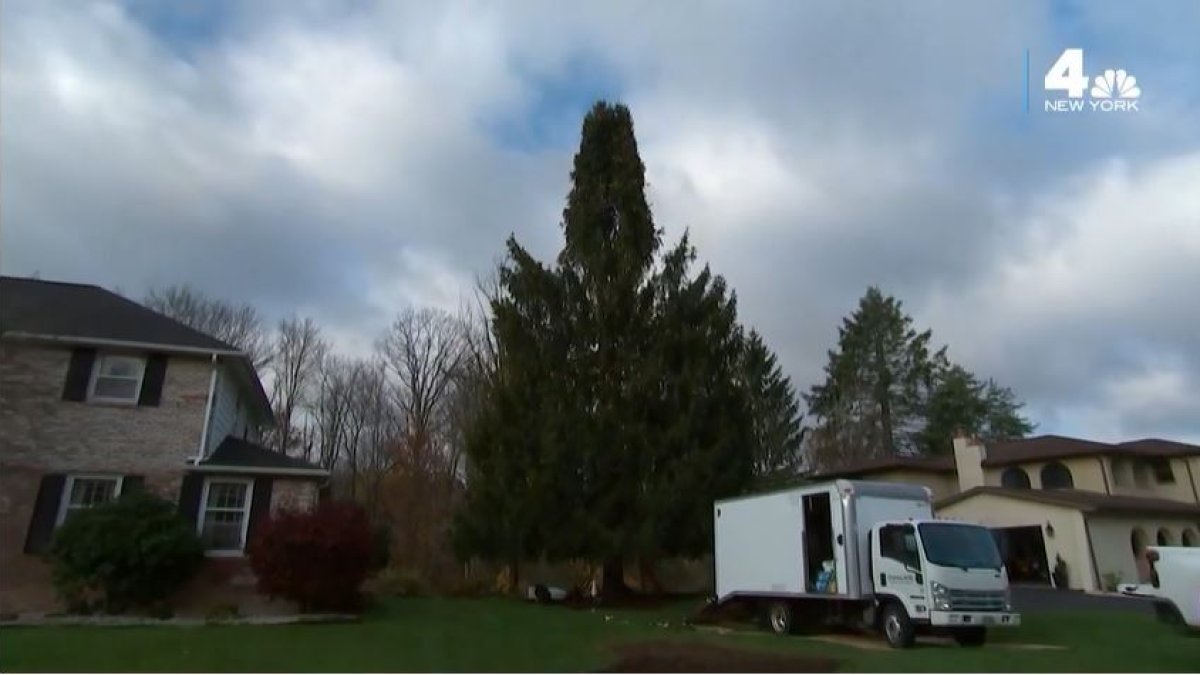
pixel 231 414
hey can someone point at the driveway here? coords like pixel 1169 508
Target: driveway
pixel 1040 598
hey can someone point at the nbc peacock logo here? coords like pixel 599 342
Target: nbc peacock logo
pixel 1114 90
pixel 1116 84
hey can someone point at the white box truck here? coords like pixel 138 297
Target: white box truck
pixel 1174 584
pixel 860 553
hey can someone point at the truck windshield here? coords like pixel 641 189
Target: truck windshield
pixel 959 545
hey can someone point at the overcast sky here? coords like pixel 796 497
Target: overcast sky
pixel 346 159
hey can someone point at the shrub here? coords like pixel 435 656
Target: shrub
pixel 132 552
pixel 381 552
pixel 1111 581
pixel 317 558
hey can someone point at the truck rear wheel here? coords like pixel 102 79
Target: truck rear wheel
pixel 779 617
pixel 971 637
pixel 897 628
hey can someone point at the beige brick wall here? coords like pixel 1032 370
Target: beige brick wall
pixel 40 433
pixel 41 430
pixel 293 495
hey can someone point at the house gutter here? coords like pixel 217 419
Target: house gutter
pixel 260 470
pixel 127 344
pixel 208 406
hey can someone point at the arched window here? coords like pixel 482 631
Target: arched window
pixel 1015 477
pixel 1055 476
pixel 1165 538
pixel 1189 537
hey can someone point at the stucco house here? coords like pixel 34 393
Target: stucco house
pixel 1095 506
pixel 98 394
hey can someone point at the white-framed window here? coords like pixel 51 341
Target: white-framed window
pixel 225 515
pixel 117 378
pixel 85 491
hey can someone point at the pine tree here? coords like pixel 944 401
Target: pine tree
pixel 960 402
pixel 872 402
pixel 775 414
pixel 886 393
pixel 619 396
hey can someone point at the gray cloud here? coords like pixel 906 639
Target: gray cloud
pixel 343 161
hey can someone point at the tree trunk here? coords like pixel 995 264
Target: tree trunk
pixel 649 578
pixel 614 579
pixel 514 574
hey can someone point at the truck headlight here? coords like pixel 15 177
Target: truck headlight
pixel 941 597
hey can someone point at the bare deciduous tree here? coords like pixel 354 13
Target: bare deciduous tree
pixel 299 350
pixel 238 324
pixel 423 350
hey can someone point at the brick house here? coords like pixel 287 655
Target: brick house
pixel 99 394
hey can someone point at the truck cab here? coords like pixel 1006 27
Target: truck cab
pixel 938 577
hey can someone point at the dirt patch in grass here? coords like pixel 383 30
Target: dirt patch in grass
pixel 680 657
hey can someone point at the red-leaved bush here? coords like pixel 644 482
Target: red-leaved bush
pixel 316 558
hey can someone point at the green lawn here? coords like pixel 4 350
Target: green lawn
pixel 504 635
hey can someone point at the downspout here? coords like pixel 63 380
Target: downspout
pixel 208 406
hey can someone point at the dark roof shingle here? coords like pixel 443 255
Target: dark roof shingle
pixel 1084 500
pixel 67 310
pixel 1002 453
pixel 243 454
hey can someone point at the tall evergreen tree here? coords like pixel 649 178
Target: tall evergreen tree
pixel 887 393
pixel 775 414
pixel 618 395
pixel 877 382
pixel 960 402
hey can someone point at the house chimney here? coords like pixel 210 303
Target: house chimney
pixel 969 453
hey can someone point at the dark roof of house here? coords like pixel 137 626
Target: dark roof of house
pixel 1083 500
pixel 870 466
pixel 67 310
pixel 240 453
pixel 85 314
pixel 1048 446
pixel 1001 453
pixel 1160 448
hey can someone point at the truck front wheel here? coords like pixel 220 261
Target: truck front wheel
pixel 897 627
pixel 779 617
pixel 971 637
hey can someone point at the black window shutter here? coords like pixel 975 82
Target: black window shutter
pixel 45 513
pixel 131 484
pixel 79 374
pixel 260 506
pixel 189 496
pixel 152 380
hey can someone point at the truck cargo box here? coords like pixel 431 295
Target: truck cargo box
pixel 806 541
